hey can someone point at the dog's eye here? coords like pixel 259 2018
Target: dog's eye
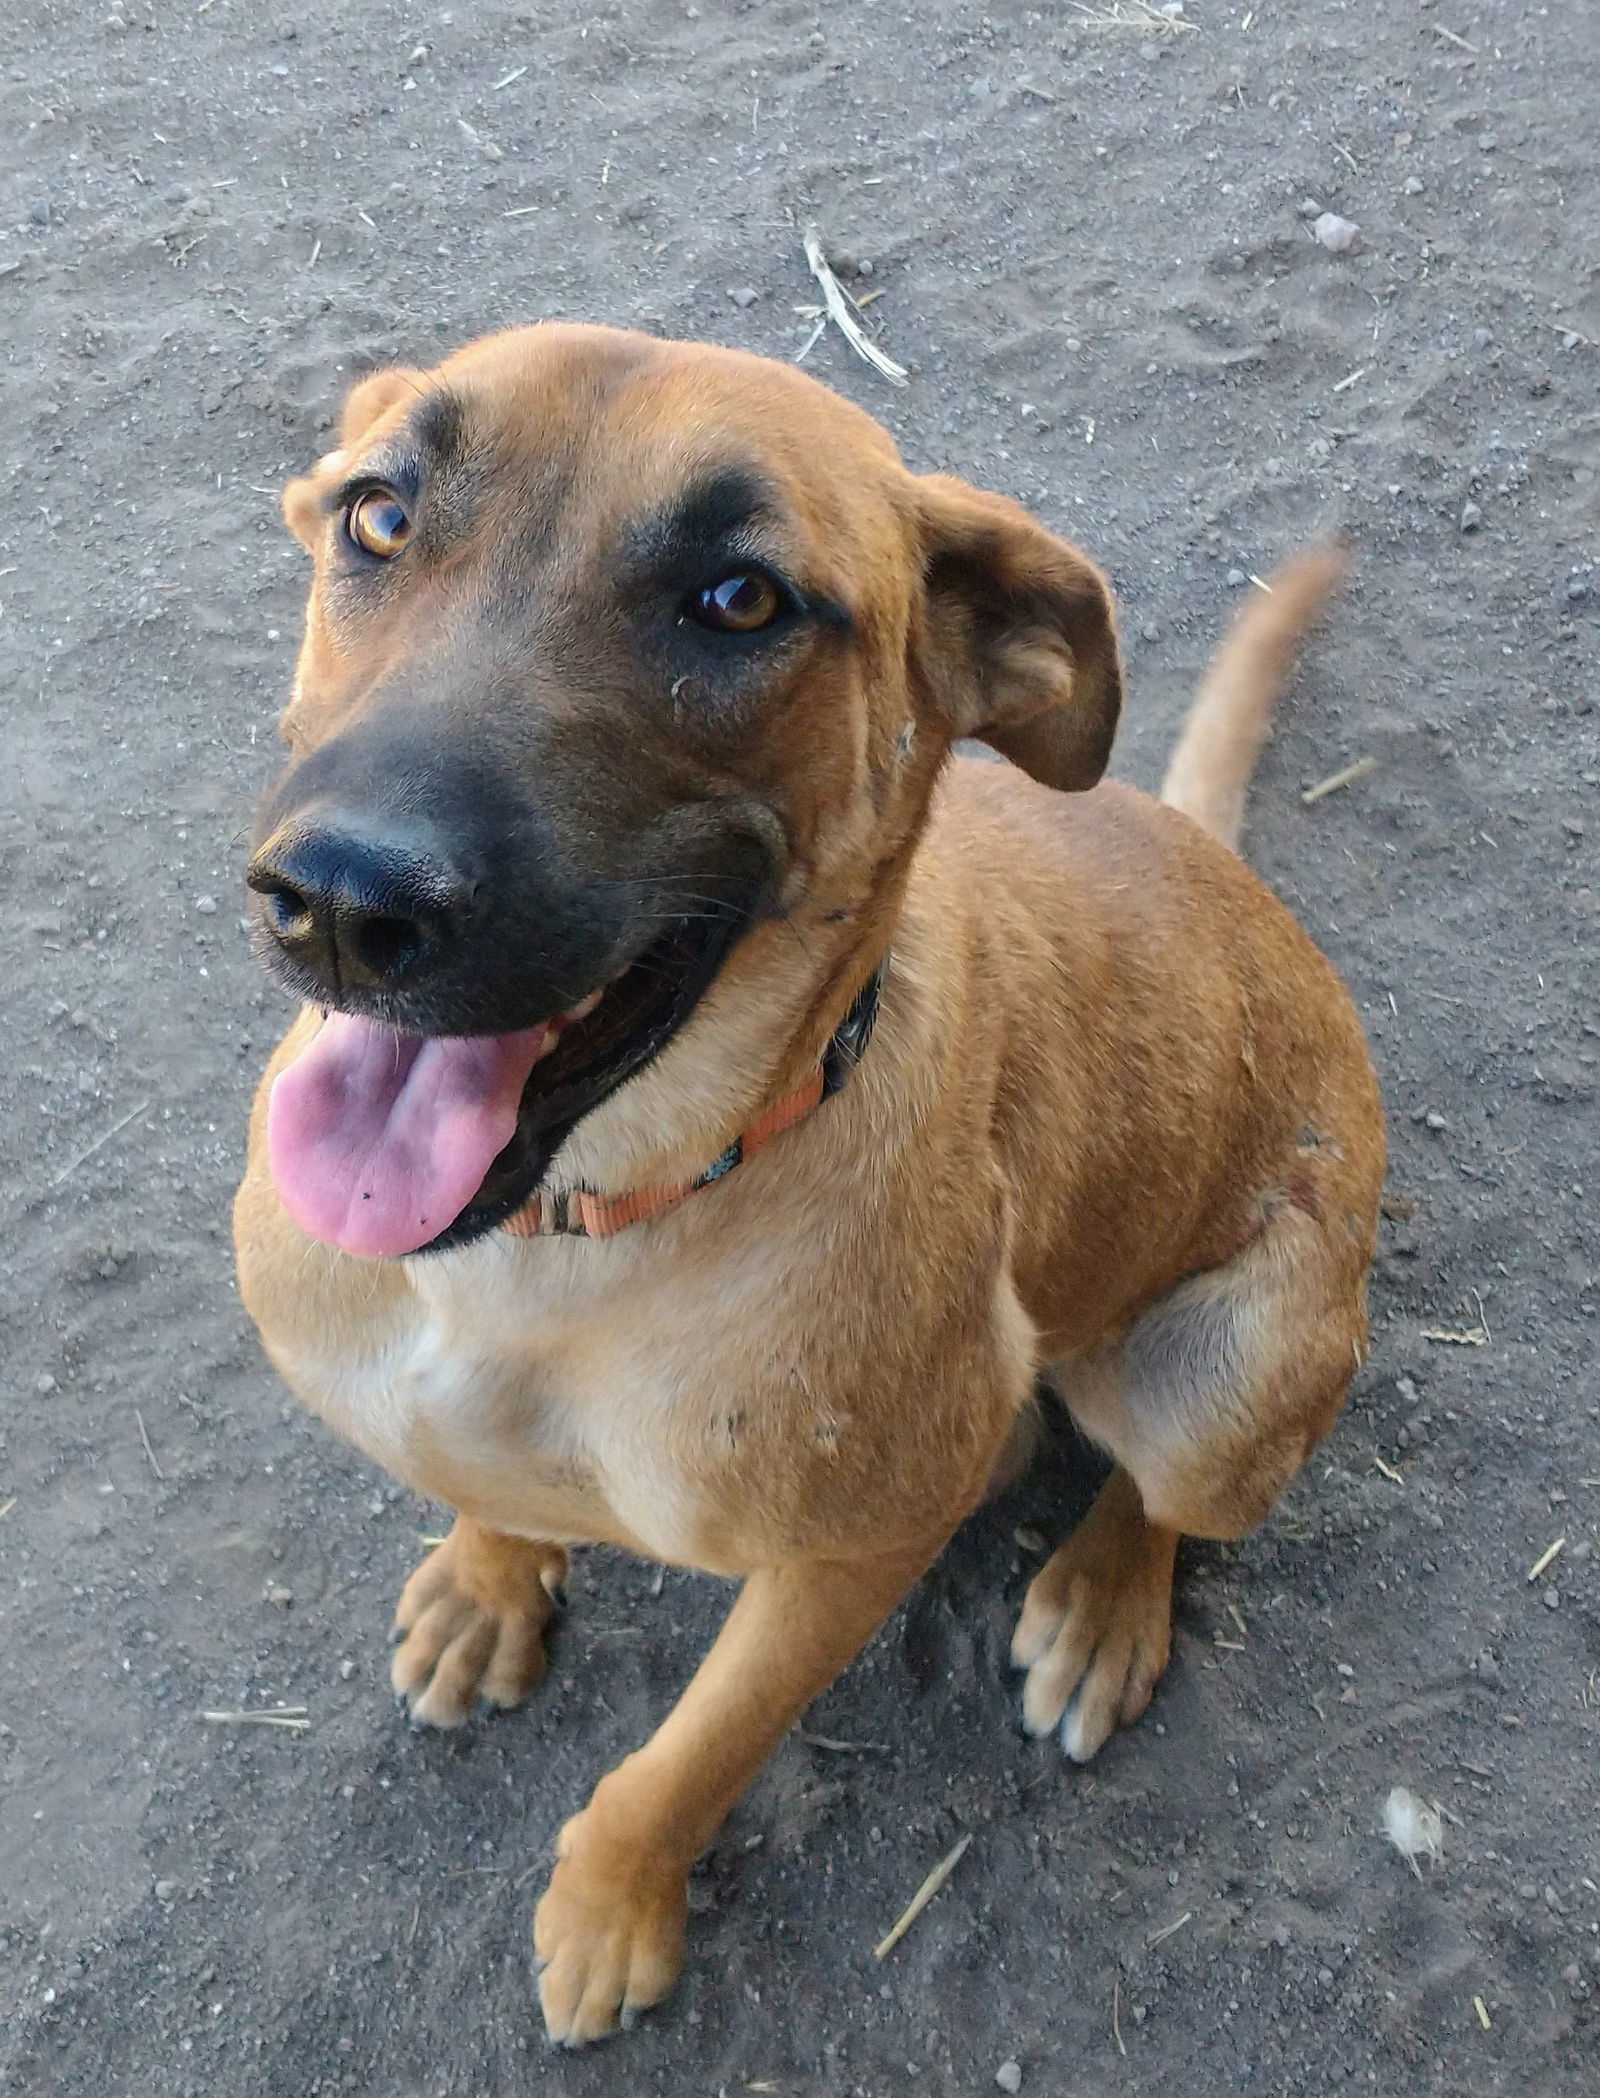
pixel 739 604
pixel 378 524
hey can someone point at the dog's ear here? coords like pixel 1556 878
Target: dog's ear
pixel 1017 641
pixel 368 400
pixel 375 395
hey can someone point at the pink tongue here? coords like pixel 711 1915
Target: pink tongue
pixel 379 1140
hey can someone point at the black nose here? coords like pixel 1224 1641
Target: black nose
pixel 358 910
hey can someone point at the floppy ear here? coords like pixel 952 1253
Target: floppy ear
pixel 366 401
pixel 375 395
pixel 1018 639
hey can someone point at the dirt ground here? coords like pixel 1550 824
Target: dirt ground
pixel 1095 251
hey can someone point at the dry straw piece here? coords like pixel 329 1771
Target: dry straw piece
pixel 838 303
pixel 1143 17
pixel 293 1719
pixel 919 1901
pixel 1346 776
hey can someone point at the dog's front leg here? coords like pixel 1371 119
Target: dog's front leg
pixel 609 1931
pixel 471 1623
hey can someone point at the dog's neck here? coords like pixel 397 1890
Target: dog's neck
pixel 582 1212
pixel 760 1034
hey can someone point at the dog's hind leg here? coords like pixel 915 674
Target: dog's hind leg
pixel 1097 1623
pixel 471 1623
pixel 1210 1404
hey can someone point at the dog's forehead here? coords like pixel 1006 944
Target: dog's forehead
pixel 646 424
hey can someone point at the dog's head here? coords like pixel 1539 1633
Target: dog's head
pixel 616 650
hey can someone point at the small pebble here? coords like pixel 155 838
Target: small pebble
pixel 1009 2076
pixel 745 295
pixel 1527 1891
pixel 276 1593
pixel 1577 591
pixel 44 1385
pixel 1335 234
pixel 1484 338
pixel 1414 185
pixel 1488 142
pixel 1435 1120
pixel 1471 517
pixel 1150 630
pixel 1237 579
pixel 1489 1670
pixel 165 1889
pixel 206 906
pixel 346 1670
pixel 1309 208
pixel 1552 1598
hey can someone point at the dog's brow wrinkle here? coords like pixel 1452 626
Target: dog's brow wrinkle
pixel 438 426
pixel 705 514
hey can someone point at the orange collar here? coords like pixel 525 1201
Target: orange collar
pixel 578 1212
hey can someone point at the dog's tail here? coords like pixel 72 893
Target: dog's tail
pixel 1227 725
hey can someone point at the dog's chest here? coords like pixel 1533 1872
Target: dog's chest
pixel 496 1384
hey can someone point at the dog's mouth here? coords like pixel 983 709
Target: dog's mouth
pixel 383 1143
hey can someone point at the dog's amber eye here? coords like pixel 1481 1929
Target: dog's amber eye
pixel 739 604
pixel 378 524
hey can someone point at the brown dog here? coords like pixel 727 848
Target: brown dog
pixel 620 801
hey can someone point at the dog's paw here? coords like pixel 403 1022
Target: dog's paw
pixel 1095 1631
pixel 471 1624
pixel 608 1936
